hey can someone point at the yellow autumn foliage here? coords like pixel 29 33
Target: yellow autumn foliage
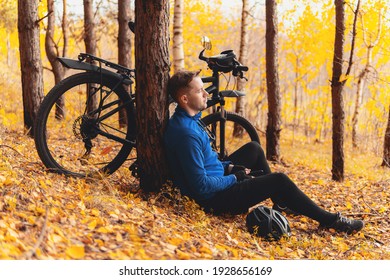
pixel 48 216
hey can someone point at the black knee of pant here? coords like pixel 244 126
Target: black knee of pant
pixel 254 146
pixel 282 177
pixel 283 182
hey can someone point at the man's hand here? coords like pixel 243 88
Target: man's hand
pixel 242 175
pixel 235 168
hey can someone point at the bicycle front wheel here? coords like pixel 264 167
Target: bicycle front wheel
pixel 224 131
pixel 85 125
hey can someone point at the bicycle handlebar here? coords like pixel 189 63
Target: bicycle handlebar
pixel 225 62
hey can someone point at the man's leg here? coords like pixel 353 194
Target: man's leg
pixel 252 156
pixel 276 186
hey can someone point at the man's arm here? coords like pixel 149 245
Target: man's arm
pixel 191 157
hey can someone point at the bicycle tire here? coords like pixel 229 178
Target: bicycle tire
pixel 231 142
pixel 61 143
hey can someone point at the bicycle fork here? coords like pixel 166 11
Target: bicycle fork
pixel 222 131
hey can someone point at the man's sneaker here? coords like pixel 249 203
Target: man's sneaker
pixel 344 224
pixel 286 210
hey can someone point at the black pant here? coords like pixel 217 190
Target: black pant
pixel 276 186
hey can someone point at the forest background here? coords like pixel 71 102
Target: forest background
pixel 306 39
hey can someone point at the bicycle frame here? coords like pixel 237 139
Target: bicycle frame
pixel 218 97
pixel 125 76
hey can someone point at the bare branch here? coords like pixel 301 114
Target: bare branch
pixel 353 39
pixel 39 20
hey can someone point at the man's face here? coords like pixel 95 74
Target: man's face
pixel 195 98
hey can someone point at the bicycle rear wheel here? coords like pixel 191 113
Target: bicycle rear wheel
pixel 81 129
pixel 225 141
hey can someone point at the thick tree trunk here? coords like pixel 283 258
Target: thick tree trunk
pixel 386 149
pixel 178 50
pixel 152 64
pixel 124 43
pixel 338 114
pixel 241 101
pixel 30 61
pixel 273 92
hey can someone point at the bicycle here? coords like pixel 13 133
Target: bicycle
pixel 86 123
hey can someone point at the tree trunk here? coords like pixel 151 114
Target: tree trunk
pixel 338 114
pixel 363 75
pixel 386 149
pixel 52 52
pixel 241 101
pixel 124 44
pixel 178 51
pixel 358 103
pixel 30 61
pixel 296 89
pixel 65 29
pixel 152 64
pixel 273 93
pixel 124 40
pixel 90 44
pixel 52 49
pixel 89 28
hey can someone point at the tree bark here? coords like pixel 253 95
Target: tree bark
pixel 243 58
pixel 124 44
pixel 30 61
pixel 52 52
pixel 338 114
pixel 124 40
pixel 152 64
pixel 273 92
pixel 90 43
pixel 358 103
pixel 178 50
pixel 89 29
pixel 65 29
pixel 50 46
pixel 386 149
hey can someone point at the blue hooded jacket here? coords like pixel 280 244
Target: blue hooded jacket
pixel 195 167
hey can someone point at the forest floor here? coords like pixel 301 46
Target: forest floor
pixel 48 216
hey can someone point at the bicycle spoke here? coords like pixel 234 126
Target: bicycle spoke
pixel 83 143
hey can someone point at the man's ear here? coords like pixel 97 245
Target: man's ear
pixel 184 98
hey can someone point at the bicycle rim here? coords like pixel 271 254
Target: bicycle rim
pixel 233 140
pixel 68 138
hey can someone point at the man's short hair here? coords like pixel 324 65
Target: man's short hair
pixel 180 80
